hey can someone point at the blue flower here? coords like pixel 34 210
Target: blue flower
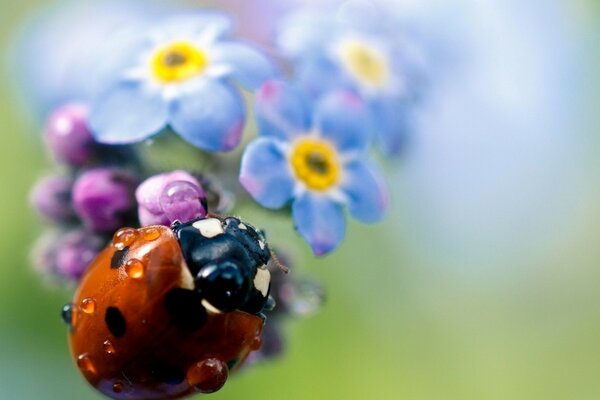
pixel 179 75
pixel 332 53
pixel 316 159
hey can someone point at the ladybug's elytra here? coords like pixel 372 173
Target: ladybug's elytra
pixel 163 312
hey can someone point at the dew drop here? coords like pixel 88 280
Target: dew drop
pixel 304 298
pixel 118 387
pixel 108 347
pixel 85 364
pixel 256 343
pixel 183 201
pixel 88 305
pixel 124 237
pixel 135 268
pixel 150 234
pixel 67 314
pixel 208 376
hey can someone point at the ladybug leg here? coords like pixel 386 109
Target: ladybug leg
pixel 208 376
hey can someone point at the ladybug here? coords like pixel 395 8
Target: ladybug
pixel 166 312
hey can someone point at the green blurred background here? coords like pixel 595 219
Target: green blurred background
pixel 417 308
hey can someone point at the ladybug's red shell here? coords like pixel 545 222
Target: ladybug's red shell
pixel 136 335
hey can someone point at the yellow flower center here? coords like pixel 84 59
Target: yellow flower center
pixel 177 62
pixel 315 162
pixel 366 64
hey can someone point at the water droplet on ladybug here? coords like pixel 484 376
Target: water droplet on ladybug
pixel 135 268
pixel 108 347
pixel 67 314
pixel 183 201
pixel 150 234
pixel 208 376
pixel 118 387
pixel 85 363
pixel 88 305
pixel 124 237
pixel 256 343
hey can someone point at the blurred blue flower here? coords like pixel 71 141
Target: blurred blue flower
pixel 362 51
pixel 56 54
pixel 315 158
pixel 179 75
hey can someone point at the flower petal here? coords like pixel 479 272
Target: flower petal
pixel 368 197
pixel 210 117
pixel 281 110
pixel 319 75
pixel 344 118
pixel 265 173
pixel 203 26
pixel 393 121
pixel 305 33
pixel 127 113
pixel 247 65
pixel 320 221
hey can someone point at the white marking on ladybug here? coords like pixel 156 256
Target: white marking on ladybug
pixel 210 308
pixel 187 280
pixel 242 226
pixel 209 227
pixel 262 280
pixel 261 244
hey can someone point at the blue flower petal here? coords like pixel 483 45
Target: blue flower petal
pixel 343 118
pixel 210 117
pixel 127 113
pixel 249 67
pixel 368 198
pixel 265 173
pixel 207 26
pixel 392 124
pixel 305 32
pixel 281 111
pixel 320 221
pixel 319 75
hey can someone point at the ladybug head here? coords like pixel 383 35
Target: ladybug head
pixel 227 259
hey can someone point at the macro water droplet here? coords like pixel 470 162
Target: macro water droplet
pixel 207 376
pixel 108 347
pixel 67 314
pixel 182 201
pixel 85 363
pixel 118 387
pixel 88 305
pixel 304 298
pixel 124 237
pixel 150 234
pixel 256 343
pixel 135 268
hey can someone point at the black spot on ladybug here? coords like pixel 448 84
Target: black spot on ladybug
pixel 118 258
pixel 115 321
pixel 67 314
pixel 185 308
pixel 168 374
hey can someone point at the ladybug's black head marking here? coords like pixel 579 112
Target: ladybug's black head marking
pixel 227 259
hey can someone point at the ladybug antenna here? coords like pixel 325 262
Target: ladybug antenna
pixel 278 263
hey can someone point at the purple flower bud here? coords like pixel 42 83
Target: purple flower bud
pixel 75 251
pixel 68 136
pixel 171 196
pixel 66 255
pixel 51 197
pixel 103 198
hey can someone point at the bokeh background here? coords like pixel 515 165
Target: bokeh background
pixel 481 284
